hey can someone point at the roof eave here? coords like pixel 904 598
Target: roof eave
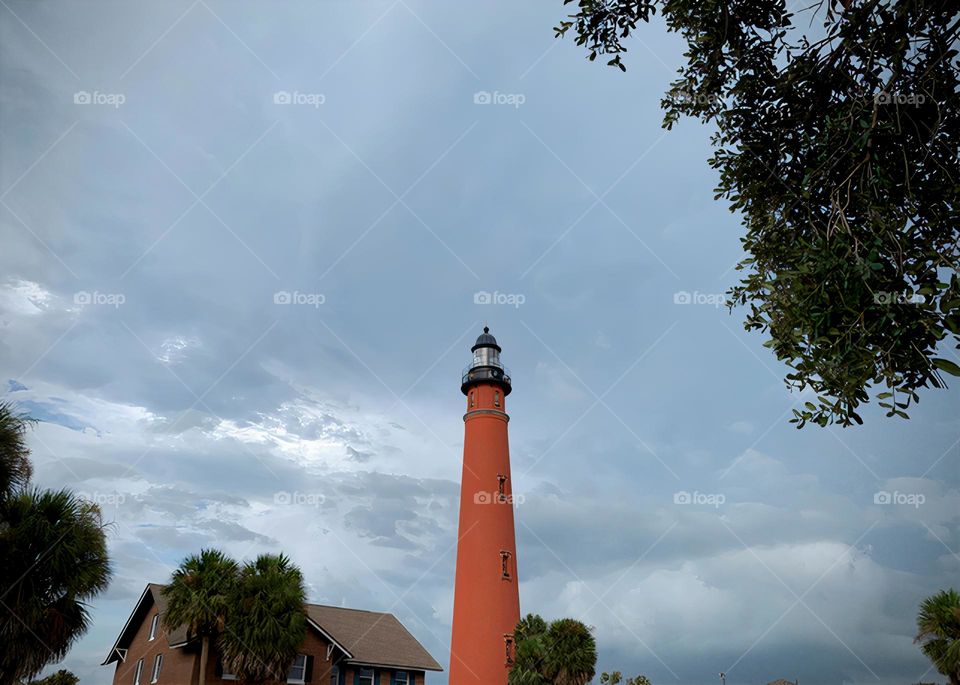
pixel 330 637
pixel 419 667
pixel 113 655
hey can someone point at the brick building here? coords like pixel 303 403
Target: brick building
pixel 340 647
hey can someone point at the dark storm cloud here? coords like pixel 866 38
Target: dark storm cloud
pixel 332 431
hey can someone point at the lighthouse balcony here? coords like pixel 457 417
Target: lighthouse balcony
pixel 488 371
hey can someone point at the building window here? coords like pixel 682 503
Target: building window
pixel 298 671
pixel 496 398
pixel 137 672
pixel 508 645
pixel 471 400
pixel 401 678
pixel 501 482
pixel 335 675
pixel 366 676
pixel 157 663
pixel 226 674
pixel 153 626
pixel 505 563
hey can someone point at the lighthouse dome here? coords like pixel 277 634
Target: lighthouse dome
pixel 485 340
pixel 486 366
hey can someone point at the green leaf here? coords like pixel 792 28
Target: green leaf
pixel 948 366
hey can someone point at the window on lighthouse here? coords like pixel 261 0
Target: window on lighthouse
pixel 501 480
pixel 508 645
pixel 496 398
pixel 471 400
pixel 505 563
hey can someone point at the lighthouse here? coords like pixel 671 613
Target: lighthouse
pixel 486 601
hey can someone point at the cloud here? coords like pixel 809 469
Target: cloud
pixel 199 412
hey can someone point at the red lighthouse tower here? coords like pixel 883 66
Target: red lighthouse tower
pixel 486 602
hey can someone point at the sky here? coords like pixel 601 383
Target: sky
pixel 247 246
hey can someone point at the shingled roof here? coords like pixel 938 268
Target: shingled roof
pixel 371 638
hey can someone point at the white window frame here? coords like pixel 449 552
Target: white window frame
pixel 157 665
pixel 366 673
pixel 138 671
pixel 303 672
pixel 153 627
pixel 406 677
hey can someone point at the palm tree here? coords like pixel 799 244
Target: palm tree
pixel 938 628
pixel 561 653
pixel 53 559
pixel 15 469
pixel 54 556
pixel 198 598
pixel 529 650
pixel 266 622
pixel 571 654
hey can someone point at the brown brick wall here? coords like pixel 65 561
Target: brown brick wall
pixel 416 677
pixel 313 645
pixel 179 666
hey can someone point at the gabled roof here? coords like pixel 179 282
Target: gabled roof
pixel 151 596
pixel 372 637
pixel 366 637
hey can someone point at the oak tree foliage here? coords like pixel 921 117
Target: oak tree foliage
pixel 837 136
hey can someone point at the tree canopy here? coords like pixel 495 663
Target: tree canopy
pixel 61 677
pixel 563 652
pixel 254 613
pixel 837 139
pixel 938 631
pixel 54 560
